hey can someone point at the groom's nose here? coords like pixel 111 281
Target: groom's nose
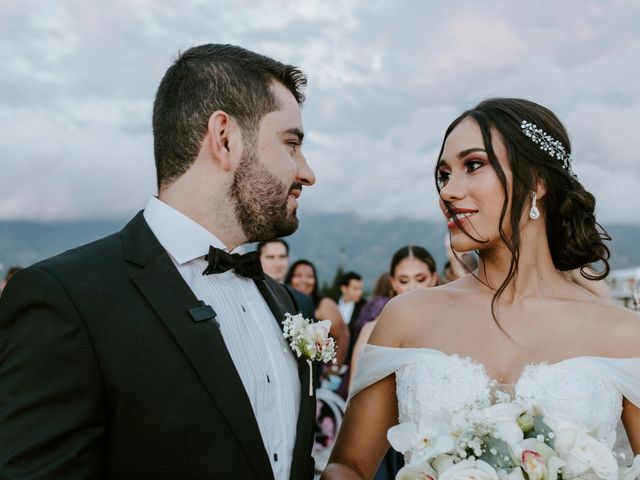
pixel 305 174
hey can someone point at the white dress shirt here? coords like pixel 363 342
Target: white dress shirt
pixel 262 357
pixel 346 309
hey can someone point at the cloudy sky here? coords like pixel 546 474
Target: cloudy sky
pixel 77 80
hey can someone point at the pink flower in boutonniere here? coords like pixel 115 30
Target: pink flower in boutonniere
pixel 311 340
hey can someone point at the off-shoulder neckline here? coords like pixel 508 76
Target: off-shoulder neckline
pixel 522 370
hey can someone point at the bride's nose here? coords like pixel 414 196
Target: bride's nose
pixel 453 190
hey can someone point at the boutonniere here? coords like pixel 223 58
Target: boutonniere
pixel 309 339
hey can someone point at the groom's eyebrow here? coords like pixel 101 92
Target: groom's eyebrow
pixel 297 132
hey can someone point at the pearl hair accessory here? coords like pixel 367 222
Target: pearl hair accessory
pixel 548 144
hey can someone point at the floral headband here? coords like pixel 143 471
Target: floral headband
pixel 548 144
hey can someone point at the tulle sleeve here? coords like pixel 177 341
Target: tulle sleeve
pixel 624 373
pixel 378 362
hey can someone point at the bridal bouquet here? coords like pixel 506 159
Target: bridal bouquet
pixel 509 440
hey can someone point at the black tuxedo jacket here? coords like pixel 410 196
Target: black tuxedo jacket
pixel 104 374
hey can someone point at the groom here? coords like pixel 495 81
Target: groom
pixel 154 353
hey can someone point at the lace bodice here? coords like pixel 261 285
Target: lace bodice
pixel 586 390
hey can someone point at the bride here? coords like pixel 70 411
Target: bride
pixel 508 191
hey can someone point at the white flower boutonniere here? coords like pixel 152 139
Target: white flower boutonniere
pixel 309 339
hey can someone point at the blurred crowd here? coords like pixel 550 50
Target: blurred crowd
pixel 353 314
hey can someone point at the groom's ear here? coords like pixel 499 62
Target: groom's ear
pixel 225 139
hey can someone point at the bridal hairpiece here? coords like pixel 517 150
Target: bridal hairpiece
pixel 548 144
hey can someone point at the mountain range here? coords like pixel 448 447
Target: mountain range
pixel 328 240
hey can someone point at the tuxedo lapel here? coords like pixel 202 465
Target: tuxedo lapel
pixel 280 302
pixel 171 298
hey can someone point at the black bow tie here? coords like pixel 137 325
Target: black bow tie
pixel 247 265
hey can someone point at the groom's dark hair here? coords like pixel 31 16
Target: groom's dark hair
pixel 207 78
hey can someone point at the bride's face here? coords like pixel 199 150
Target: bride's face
pixel 471 186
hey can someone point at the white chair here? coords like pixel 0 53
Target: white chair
pixel 337 406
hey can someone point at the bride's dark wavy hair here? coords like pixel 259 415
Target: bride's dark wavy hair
pixel 576 240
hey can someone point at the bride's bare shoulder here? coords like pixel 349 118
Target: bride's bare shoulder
pixel 413 313
pixel 622 327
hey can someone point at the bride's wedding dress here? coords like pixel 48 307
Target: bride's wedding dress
pixel 586 391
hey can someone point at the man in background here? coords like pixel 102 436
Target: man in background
pixel 274 258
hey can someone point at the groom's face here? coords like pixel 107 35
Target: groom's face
pixel 271 173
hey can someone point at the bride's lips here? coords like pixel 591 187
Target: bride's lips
pixel 462 214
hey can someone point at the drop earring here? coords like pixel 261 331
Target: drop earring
pixel 534 213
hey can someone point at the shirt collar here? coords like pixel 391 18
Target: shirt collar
pixel 183 238
pixel 341 301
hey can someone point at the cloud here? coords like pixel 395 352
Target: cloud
pixel 386 78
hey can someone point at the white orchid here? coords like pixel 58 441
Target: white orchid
pixel 423 441
pixel 538 460
pixel 488 443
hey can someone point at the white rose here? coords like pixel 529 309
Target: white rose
pixel 469 470
pixel 589 452
pixel 565 432
pixel 416 471
pixel 504 418
pixel 315 336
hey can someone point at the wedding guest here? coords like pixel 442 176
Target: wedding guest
pixel 274 258
pixel 303 277
pixel 351 302
pixel 370 310
pixel 412 267
pixel 379 297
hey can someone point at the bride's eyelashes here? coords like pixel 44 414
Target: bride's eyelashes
pixel 443 178
pixel 473 164
pixel 470 165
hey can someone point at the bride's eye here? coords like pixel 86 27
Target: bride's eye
pixel 442 178
pixel 473 165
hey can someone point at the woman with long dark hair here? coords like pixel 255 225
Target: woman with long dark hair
pixel 303 277
pixel 508 191
pixel 411 267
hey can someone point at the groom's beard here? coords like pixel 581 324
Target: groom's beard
pixel 261 201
